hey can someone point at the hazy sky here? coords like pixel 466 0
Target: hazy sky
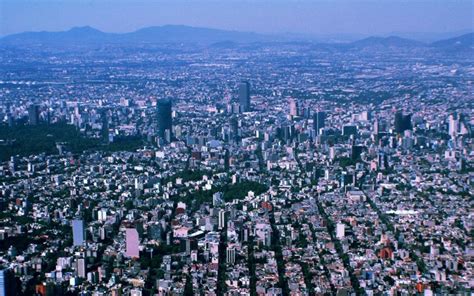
pixel 303 16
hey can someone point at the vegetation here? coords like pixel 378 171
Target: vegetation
pixel 24 140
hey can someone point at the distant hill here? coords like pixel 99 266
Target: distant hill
pixel 155 35
pixel 391 41
pixel 463 42
pixel 79 35
pixel 185 34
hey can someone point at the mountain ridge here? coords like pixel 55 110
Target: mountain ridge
pixel 87 35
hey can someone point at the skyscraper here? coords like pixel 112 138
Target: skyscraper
pixel 244 96
pixel 319 120
pixel 222 219
pixel 132 243
pixel 81 267
pixel 33 114
pixel 164 117
pixel 340 230
pixel 293 107
pixel 78 232
pixel 7 283
pixel 402 122
pixel 230 255
pixel 453 125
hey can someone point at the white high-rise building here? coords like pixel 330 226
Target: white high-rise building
pixel 81 267
pixel 230 256
pixel 340 230
pixel 453 125
pixel 222 219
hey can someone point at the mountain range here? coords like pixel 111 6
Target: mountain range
pixel 83 36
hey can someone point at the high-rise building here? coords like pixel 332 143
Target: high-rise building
pixel 376 127
pixel 356 151
pixel 81 268
pixel 319 121
pixel 132 243
pixel 348 130
pixel 7 283
pixel 340 230
pixel 33 114
pixel 293 107
pixel 78 232
pixel 402 122
pixel 453 125
pixel 244 96
pixel 222 219
pixel 165 121
pixel 230 255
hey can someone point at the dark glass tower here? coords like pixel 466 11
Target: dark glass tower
pixel 402 122
pixel 319 119
pixel 33 114
pixel 244 96
pixel 164 117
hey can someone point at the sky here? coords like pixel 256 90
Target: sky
pixel 314 17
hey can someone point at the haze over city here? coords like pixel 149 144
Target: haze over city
pixel 314 17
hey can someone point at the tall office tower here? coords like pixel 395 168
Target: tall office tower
pixel 376 127
pixel 340 230
pixel 81 268
pixel 105 125
pixel 244 96
pixel 402 122
pixel 293 107
pixel 78 232
pixel 10 120
pixel 382 161
pixel 356 151
pixel 407 122
pixel 33 114
pixel 132 243
pixel 234 128
pixel 319 119
pixel 222 219
pixel 453 125
pixel 230 255
pixel 164 117
pixel 398 122
pixel 7 283
pixel 365 115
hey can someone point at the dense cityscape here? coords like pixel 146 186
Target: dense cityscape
pixel 236 169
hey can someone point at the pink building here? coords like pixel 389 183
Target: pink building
pixel 132 241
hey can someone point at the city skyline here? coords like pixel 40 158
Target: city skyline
pixel 183 160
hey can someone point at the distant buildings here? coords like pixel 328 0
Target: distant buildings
pixel 132 243
pixel 78 232
pixel 165 121
pixel 396 194
pixel 244 96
